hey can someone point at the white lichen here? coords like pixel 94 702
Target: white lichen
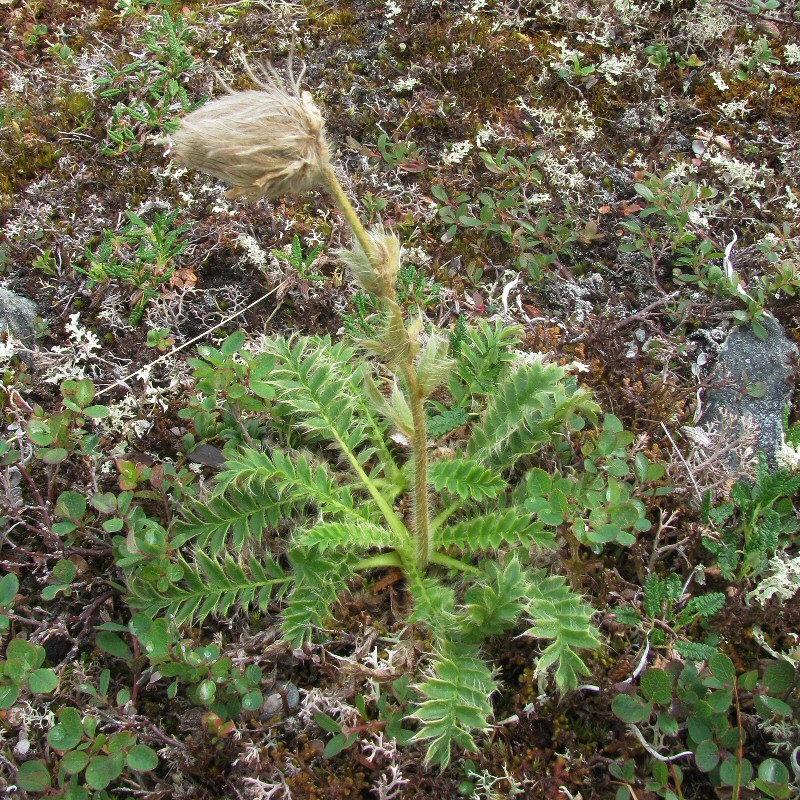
pixel 782 580
pixel 456 153
pixel 791 54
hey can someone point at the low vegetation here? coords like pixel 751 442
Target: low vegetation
pixel 360 457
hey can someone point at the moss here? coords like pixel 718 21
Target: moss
pixel 75 104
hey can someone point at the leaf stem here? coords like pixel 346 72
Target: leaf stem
pixel 391 559
pixel 454 563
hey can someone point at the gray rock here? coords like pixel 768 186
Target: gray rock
pixel 753 378
pixel 17 315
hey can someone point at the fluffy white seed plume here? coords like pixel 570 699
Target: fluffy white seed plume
pixel 268 142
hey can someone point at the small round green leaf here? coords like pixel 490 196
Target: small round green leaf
pixel 104 502
pixel 71 506
pixel 64 571
pixel 9 586
pixel 657 686
pixel 33 776
pixel 731 773
pixel 75 761
pixel 76 792
pixel 53 455
pixel 778 676
pixel 706 756
pixel 142 758
pixel 206 691
pixel 773 771
pixel 101 770
pixel 252 701
pixel 722 668
pixel 8 695
pixel 631 709
pixel 42 681
pixel 69 731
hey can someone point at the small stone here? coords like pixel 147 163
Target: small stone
pixel 287 698
pixel 753 378
pixel 17 315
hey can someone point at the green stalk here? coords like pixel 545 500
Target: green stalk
pixel 339 197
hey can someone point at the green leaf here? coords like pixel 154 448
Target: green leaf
pixel 64 571
pixel 656 686
pixel 251 701
pixel 773 771
pixel 40 433
pixel 466 478
pixel 722 668
pixel 42 681
pixel 354 537
pixel 102 770
pixel 22 651
pixel 233 344
pixel 67 734
pixel 706 756
pixel 327 723
pixel 114 644
pixel 779 676
pixel 84 392
pixel 75 792
pixel 53 455
pixel 768 706
pixel 631 709
pixel 74 761
pixel 455 703
pixel 97 412
pixel 730 774
pixel 527 408
pixel 491 531
pixel 71 506
pixel 142 758
pixel 337 744
pixel 33 776
pixel 8 695
pixel 562 616
pixel 695 651
pixel 104 502
pixel 9 586
pixel 206 691
pixel 493 607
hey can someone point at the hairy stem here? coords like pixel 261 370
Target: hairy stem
pixel 422 535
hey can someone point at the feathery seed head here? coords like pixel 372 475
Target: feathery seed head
pixel 268 142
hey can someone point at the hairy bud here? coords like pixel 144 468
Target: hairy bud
pixel 375 271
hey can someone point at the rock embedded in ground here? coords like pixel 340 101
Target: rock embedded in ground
pixel 753 378
pixel 17 315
